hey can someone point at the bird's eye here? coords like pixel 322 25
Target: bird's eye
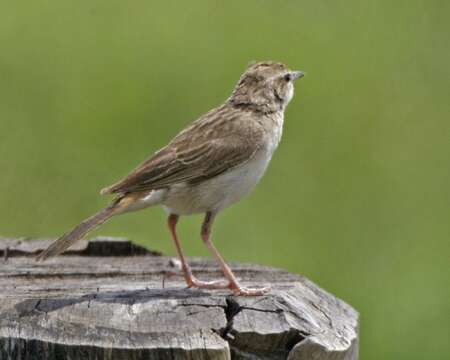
pixel 288 77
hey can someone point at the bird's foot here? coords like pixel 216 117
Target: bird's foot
pixel 244 291
pixel 193 282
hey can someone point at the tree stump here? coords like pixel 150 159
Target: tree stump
pixel 110 299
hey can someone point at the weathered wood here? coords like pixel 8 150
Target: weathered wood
pixel 89 306
pixel 100 246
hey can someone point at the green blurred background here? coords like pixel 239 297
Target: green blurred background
pixel 357 197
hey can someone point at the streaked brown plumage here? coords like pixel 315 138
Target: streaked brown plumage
pixel 217 142
pixel 208 166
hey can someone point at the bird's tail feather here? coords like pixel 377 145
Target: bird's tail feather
pixel 81 230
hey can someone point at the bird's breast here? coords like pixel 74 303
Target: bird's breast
pixel 273 126
pixel 229 187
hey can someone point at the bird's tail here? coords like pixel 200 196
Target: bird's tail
pixel 81 230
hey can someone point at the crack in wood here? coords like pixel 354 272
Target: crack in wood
pixel 115 308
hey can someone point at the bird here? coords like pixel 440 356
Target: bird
pixel 211 164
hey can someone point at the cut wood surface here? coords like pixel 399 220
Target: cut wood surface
pixel 110 299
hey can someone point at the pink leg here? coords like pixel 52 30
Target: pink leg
pixel 234 284
pixel 191 281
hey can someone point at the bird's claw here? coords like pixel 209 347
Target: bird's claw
pixel 193 282
pixel 244 291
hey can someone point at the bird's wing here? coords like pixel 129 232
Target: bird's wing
pixel 198 153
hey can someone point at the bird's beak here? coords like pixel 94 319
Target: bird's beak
pixel 297 75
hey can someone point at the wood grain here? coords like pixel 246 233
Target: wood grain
pixel 87 305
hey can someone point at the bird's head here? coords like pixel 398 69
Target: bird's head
pixel 265 86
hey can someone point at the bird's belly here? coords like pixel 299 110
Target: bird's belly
pixel 219 192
